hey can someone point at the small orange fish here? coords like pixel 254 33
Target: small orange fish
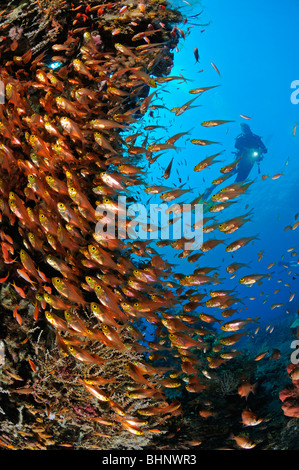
pixel 32 365
pixel 203 142
pixel 214 123
pixel 94 390
pixel 250 419
pixel 207 413
pixel 208 161
pixel 3 279
pixel 244 442
pixel 202 89
pixel 261 356
pixel 276 306
pixel 83 356
pixel 245 117
pixel 168 170
pixel 275 177
pixel 181 109
pixel 19 290
pixel 215 68
pixel 246 388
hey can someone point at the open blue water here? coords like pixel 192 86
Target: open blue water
pixel 254 46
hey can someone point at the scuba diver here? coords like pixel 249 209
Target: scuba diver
pixel 249 149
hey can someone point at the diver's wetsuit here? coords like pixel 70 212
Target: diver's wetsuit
pixel 250 141
pixel 244 166
pixel 245 145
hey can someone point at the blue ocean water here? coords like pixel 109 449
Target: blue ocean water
pixel 253 45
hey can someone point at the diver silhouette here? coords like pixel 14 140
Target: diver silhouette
pixel 249 150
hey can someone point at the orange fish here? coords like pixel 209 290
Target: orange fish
pixel 260 356
pixel 244 442
pixel 215 68
pixel 250 419
pixel 246 388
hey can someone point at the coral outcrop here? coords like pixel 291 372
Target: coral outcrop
pixel 290 395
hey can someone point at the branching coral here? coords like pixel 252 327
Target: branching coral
pixel 227 383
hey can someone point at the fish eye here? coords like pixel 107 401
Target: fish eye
pixel 136 304
pixel 61 205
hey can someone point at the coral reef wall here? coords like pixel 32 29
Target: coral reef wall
pixel 73 304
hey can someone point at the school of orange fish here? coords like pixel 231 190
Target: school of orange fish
pixel 63 156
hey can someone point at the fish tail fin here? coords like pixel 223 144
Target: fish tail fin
pixel 256 237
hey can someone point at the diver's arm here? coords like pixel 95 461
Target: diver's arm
pixel 259 144
pixel 262 147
